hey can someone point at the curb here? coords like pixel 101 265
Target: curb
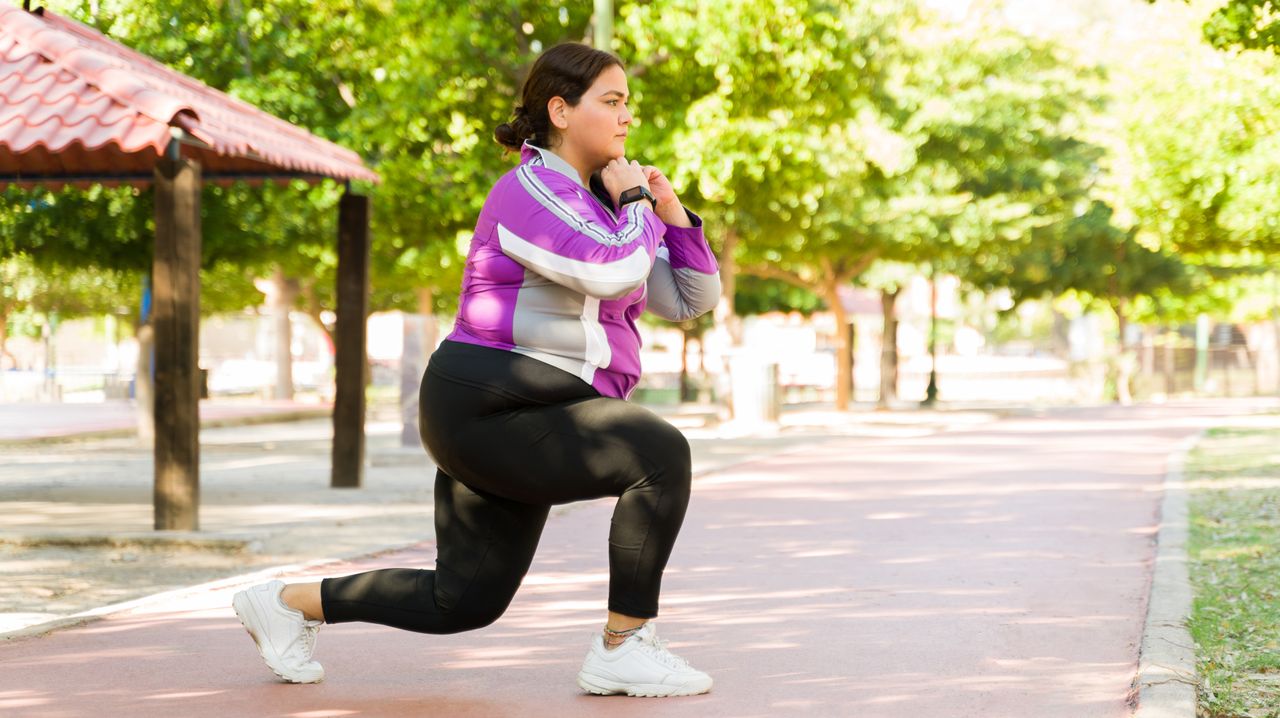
pixel 231 542
pixel 1166 681
pixel 254 577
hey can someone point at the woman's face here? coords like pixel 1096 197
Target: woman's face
pixel 596 130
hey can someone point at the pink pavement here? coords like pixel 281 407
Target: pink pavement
pixel 996 571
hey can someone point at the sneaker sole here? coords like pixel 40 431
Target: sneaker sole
pixel 243 606
pixel 602 687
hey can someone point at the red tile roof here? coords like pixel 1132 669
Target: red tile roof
pixel 76 107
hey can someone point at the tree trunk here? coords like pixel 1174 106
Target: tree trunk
pixel 4 340
pixel 143 385
pixel 686 389
pixel 889 349
pixel 419 341
pixel 727 323
pixel 1275 328
pixel 1061 335
pixel 724 315
pixel 281 293
pixel 314 310
pixel 1124 361
pixel 844 348
pixel 427 308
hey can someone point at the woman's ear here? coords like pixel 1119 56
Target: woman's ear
pixel 556 109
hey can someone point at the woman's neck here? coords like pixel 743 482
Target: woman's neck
pixel 584 167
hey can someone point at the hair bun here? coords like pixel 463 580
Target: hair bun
pixel 507 136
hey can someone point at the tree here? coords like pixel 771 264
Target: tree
pixel 1090 255
pixel 768 94
pixel 1243 24
pixel 51 293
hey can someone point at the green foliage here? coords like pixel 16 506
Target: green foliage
pixel 1090 255
pixel 112 228
pixel 1244 24
pixel 29 289
pixel 415 87
pixel 820 136
pixel 759 296
pixel 1205 178
pixel 1234 551
pixel 765 117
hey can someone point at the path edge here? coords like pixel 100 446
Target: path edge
pixel 1166 681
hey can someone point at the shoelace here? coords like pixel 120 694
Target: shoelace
pixel 657 648
pixel 310 629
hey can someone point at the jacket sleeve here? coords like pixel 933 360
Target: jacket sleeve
pixel 685 281
pixel 546 223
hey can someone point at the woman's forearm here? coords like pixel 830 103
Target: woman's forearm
pixel 673 214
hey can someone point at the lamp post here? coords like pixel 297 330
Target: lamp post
pixel 931 393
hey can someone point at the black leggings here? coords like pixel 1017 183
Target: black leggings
pixel 512 436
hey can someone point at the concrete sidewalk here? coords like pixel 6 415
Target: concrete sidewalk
pixel 929 569
pixel 23 423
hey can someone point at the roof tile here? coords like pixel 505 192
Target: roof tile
pixel 66 88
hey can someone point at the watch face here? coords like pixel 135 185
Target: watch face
pixel 634 194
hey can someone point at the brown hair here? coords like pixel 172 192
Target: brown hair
pixel 566 70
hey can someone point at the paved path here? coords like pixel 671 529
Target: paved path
pixel 998 570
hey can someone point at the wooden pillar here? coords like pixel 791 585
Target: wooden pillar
pixel 349 341
pixel 176 319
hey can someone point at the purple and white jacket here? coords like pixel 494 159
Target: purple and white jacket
pixel 556 274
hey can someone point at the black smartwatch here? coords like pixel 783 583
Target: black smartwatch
pixel 637 193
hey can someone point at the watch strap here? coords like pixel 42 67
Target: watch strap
pixel 637 193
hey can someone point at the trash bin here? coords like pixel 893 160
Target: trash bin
pixel 754 388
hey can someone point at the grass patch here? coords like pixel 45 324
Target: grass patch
pixel 1234 550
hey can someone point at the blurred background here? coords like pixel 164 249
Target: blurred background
pixel 985 202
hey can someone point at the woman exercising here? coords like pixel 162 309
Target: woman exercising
pixel 524 405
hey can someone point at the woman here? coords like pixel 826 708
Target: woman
pixel 524 405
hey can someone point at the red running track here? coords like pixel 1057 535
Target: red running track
pixel 996 571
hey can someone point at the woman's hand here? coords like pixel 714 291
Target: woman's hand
pixel 619 176
pixel 669 208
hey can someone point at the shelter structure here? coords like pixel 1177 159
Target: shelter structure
pixel 78 108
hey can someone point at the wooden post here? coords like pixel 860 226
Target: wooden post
pixel 349 341
pixel 176 319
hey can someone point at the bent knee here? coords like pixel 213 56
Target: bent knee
pixel 672 452
pixel 470 617
pixel 477 606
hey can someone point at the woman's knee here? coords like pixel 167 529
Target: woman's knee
pixel 675 456
pixel 468 615
pixel 474 603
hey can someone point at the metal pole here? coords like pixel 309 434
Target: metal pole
pixel 603 35
pixel 931 393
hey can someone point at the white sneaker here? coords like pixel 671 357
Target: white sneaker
pixel 641 666
pixel 285 638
